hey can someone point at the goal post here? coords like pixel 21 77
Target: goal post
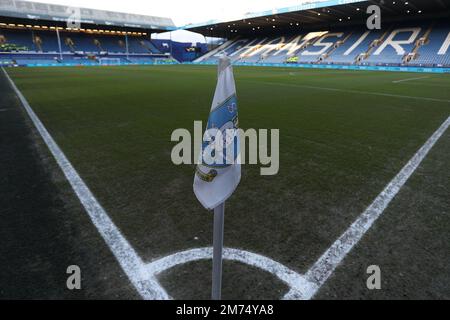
pixel 109 61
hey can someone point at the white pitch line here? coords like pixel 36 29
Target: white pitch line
pixel 327 263
pixel 304 287
pixel 380 94
pixel 410 79
pixel 143 276
pixel 128 259
pixel 300 288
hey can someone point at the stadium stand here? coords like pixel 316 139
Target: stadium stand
pixel 401 42
pixel 434 48
pixel 31 47
pixel 36 46
pixel 41 34
pixel 332 32
pixel 425 43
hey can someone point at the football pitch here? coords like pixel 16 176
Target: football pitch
pixel 344 136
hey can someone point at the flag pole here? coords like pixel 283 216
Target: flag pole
pixel 219 213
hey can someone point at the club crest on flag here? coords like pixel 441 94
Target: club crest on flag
pixel 218 172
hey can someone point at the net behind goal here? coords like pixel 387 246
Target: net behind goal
pixel 109 61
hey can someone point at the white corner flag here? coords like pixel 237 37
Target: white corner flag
pixel 219 168
pixel 219 172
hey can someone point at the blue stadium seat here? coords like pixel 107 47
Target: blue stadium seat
pixel 428 54
pixel 340 55
pixel 396 45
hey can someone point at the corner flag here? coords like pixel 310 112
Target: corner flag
pixel 219 170
pixel 215 180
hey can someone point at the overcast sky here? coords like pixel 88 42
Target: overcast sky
pixel 183 11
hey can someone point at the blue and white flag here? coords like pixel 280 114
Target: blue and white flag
pixel 219 170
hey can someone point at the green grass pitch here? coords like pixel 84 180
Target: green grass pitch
pixel 343 136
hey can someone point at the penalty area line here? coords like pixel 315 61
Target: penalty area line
pixel 370 93
pixel 410 79
pixel 327 263
pixel 124 253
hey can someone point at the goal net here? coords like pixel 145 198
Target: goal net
pixel 109 61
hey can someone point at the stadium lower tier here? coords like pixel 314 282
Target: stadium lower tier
pixel 25 47
pixel 416 44
pixel 47 41
pixel 44 47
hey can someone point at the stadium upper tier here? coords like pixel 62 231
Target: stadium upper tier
pixel 37 11
pixel 424 43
